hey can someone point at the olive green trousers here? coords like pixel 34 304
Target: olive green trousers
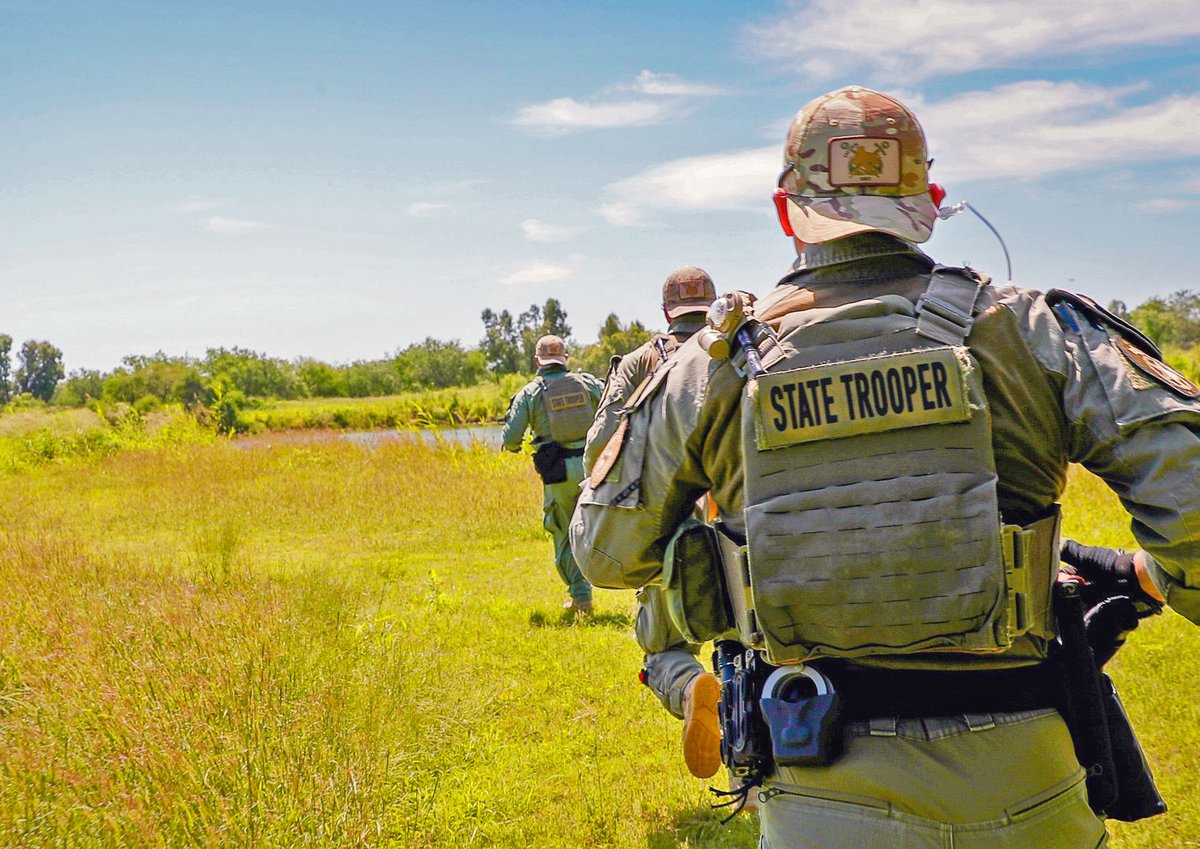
pixel 988 781
pixel 558 503
pixel 670 661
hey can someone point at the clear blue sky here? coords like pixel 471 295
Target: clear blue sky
pixel 340 180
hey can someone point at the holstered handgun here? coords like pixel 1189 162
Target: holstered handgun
pixel 1119 782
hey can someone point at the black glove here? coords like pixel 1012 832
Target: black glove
pixel 1109 572
pixel 1108 624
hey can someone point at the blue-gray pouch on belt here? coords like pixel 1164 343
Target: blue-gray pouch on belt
pixel 803 714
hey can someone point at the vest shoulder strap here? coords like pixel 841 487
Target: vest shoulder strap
pixel 946 311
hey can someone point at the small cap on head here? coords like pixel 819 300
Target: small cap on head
pixel 687 289
pixel 855 160
pixel 551 349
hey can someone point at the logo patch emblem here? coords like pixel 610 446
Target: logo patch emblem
pixel 1157 369
pixel 864 161
pixel 691 289
pixel 568 402
pixel 868 395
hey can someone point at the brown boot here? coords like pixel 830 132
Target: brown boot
pixel 701 726
pixel 579 606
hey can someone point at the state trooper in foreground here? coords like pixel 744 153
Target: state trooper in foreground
pixel 887 443
pixel 670 668
pixel 558 406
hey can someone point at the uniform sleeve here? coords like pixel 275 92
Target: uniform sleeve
pixel 595 386
pixel 1143 440
pixel 614 396
pixel 622 525
pixel 516 421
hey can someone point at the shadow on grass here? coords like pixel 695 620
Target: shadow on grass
pixel 568 619
pixel 700 828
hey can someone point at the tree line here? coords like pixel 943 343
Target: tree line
pixel 1171 321
pixel 227 377
pixel 231 375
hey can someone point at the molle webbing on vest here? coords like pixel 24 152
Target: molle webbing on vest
pixel 880 543
pixel 569 406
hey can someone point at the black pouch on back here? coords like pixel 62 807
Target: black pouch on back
pixel 550 460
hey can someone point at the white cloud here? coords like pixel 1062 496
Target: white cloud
pixel 1036 128
pixel 621 214
pixel 1163 206
pixel 648 82
pixel 216 224
pixel 428 210
pixel 193 205
pixel 662 97
pixel 454 187
pixel 536 272
pixel 540 231
pixel 567 115
pixel 736 181
pixel 1020 131
pixel 911 39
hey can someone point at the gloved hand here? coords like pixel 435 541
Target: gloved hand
pixel 1108 570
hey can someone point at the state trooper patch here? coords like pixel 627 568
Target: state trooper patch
pixel 860 396
pixel 1156 369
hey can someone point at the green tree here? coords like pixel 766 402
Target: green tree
pixel 370 378
pixel 501 343
pixel 40 369
pixel 320 380
pixel 80 387
pixel 615 340
pixel 437 364
pixel 1174 320
pixel 5 368
pixel 509 345
pixel 252 373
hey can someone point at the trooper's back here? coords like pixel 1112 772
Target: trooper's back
pixel 944 740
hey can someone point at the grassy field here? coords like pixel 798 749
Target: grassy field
pixel 462 405
pixel 313 644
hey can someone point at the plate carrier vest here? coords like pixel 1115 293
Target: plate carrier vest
pixel 569 406
pixel 872 520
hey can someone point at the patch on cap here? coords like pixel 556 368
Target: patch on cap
pixel 687 289
pixel 864 161
pixel 551 349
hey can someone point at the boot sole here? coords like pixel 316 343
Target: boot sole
pixel 702 729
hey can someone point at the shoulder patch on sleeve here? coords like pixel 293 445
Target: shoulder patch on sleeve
pixel 1157 369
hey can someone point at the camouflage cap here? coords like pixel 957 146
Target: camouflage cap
pixel 855 160
pixel 551 349
pixel 687 289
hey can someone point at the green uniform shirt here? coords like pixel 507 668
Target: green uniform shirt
pixel 528 410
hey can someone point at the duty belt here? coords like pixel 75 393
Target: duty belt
pixel 868 693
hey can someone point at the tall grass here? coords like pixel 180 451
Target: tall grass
pixel 35 437
pixel 312 644
pixel 431 408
